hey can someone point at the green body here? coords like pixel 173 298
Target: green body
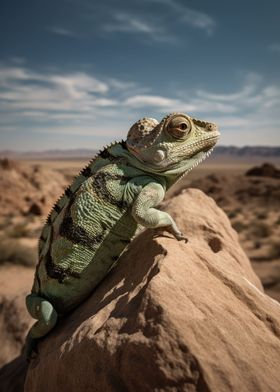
pixel 88 229
pixel 98 215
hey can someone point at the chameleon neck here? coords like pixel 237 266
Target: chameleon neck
pixel 171 175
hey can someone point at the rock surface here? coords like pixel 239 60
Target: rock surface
pixel 253 206
pixel 28 189
pixel 15 284
pixel 170 317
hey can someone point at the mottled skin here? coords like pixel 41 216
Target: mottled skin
pixel 113 197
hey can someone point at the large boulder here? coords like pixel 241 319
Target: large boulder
pixel 266 170
pixel 170 317
pixel 28 189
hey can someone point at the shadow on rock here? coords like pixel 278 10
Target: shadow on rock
pixel 12 375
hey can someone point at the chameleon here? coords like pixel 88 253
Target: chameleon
pixel 113 198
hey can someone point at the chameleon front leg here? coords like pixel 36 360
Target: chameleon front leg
pixel 146 215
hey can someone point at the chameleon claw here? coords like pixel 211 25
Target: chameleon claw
pixel 178 235
pixel 181 237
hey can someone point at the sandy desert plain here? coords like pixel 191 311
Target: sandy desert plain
pixel 29 188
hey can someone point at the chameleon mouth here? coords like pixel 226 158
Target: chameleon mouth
pixel 210 142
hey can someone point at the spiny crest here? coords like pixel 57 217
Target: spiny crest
pixel 86 172
pixel 200 123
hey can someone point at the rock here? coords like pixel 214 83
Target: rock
pixel 15 284
pixel 170 317
pixel 266 170
pixel 24 185
pixel 252 204
pixel 237 189
pixel 8 164
pixel 12 375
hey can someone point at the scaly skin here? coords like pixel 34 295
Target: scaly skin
pixel 98 215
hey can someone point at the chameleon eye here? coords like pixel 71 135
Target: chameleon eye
pixel 178 127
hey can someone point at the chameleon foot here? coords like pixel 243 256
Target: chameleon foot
pixel 180 237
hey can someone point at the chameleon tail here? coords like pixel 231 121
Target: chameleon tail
pixel 43 311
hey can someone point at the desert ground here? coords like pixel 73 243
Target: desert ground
pixel 30 187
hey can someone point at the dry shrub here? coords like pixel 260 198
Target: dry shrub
pixel 239 226
pixel 5 222
pixel 274 250
pixel 257 244
pixel 261 215
pixel 233 213
pixel 19 231
pixel 259 230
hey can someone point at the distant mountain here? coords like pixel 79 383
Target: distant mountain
pixel 247 151
pixel 83 153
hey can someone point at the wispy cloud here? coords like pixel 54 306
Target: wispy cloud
pixel 150 100
pixel 249 88
pixel 125 22
pixel 61 31
pixel 275 47
pixel 78 103
pixel 194 18
pixel 161 26
pixel 199 20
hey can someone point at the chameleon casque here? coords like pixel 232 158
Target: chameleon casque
pixel 96 218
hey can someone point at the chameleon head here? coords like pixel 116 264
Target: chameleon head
pixel 175 141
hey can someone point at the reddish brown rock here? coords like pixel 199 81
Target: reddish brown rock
pixel 24 186
pixel 170 317
pixel 15 284
pixel 266 170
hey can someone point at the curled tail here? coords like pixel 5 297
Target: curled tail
pixel 43 311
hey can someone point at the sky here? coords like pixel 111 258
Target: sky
pixel 79 73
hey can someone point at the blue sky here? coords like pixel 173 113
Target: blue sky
pixel 78 73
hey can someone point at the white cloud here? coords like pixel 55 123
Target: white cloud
pixel 199 20
pixel 191 105
pixel 77 84
pixel 120 84
pixel 194 18
pixel 25 89
pixel 125 22
pixel 79 103
pixel 251 84
pixel 60 31
pixel 12 73
pixel 150 100
pixel 155 26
